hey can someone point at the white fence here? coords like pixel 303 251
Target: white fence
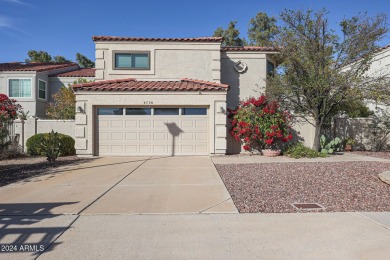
pixel 27 128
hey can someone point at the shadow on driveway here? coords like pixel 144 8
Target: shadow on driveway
pixel 31 228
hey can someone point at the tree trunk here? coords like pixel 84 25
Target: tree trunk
pixel 317 135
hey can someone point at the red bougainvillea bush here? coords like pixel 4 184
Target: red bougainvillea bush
pixel 8 111
pixel 259 123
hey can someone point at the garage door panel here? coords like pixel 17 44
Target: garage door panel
pixel 187 123
pixel 159 149
pixel 116 136
pixel 159 124
pixel 131 123
pixel 145 136
pixel 133 136
pixel 187 149
pixel 201 136
pixel 104 136
pixel 117 123
pixel 118 149
pixel 159 136
pixel 131 149
pixel 145 123
pixel 145 149
pixel 201 123
pixel 187 136
pixel 153 135
pixel 104 149
pixel 104 123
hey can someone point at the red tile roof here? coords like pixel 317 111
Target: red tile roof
pixel 34 66
pixel 81 73
pixel 143 39
pixel 249 48
pixel 132 84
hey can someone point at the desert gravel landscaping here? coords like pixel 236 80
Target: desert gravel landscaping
pixel 338 186
pixel 14 170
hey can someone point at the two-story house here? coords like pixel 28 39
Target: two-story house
pixel 165 96
pixel 33 84
pixel 30 83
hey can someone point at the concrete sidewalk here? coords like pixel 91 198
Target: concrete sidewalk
pixel 224 236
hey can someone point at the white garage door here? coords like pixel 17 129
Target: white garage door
pixel 153 131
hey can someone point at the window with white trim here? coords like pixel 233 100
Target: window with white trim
pixel 41 89
pixel 19 88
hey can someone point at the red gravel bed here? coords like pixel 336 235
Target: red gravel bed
pixel 383 155
pixel 339 186
pixel 14 170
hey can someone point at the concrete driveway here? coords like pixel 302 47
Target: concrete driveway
pixel 91 211
pixel 122 185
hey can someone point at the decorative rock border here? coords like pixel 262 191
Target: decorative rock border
pixel 385 177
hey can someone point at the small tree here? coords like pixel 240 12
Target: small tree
pixel 44 56
pixel 319 71
pixel 9 111
pixel 63 104
pixel 230 35
pixel 51 146
pixel 262 30
pixel 259 123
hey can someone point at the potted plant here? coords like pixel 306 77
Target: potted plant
pixel 261 125
pixel 349 144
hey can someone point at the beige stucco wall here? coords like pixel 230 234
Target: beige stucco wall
pixel 250 83
pixel 303 131
pixel 168 60
pixel 360 130
pixel 380 64
pixel 32 126
pixel 89 101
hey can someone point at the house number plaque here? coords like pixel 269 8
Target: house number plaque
pixel 148 102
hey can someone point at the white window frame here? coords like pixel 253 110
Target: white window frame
pixel 23 98
pixel 45 90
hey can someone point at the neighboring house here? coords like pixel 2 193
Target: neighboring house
pixel 32 84
pixel 380 67
pixel 165 96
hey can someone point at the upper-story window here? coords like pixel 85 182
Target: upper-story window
pixel 132 60
pixel 41 89
pixel 19 88
pixel 270 68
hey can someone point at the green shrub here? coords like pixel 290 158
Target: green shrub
pixel 299 150
pixel 34 142
pixel 51 146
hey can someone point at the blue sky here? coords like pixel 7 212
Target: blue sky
pixel 64 27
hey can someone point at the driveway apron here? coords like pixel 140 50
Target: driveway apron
pixel 168 185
